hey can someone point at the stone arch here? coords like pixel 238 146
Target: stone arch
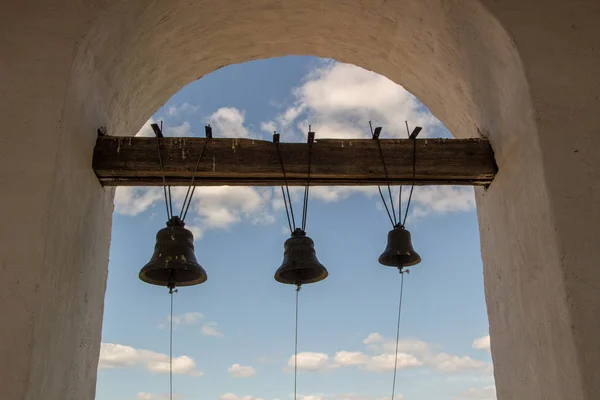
pixel 482 67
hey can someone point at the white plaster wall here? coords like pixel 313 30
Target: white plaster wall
pixel 521 73
pixel 56 218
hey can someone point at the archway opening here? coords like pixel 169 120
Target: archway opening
pixel 236 329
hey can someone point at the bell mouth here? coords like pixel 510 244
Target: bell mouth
pixel 180 276
pixel 301 276
pixel 400 260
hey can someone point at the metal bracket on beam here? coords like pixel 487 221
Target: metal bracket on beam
pixel 415 132
pixel 376 133
pixel 208 132
pixel 156 130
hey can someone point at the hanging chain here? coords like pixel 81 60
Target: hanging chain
pixel 392 215
pixel 290 211
pixel 287 200
pixel 414 168
pixel 298 286
pixel 311 138
pixel 167 198
pixel 398 330
pixel 192 188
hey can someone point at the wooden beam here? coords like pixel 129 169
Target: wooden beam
pixel 133 161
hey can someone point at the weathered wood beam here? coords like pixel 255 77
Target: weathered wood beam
pixel 133 161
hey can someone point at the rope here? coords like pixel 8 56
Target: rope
pixel 167 200
pixel 171 292
pixel 298 285
pixel 398 332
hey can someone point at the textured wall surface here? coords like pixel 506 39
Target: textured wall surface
pixel 524 74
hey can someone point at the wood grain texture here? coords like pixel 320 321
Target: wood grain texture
pixel 134 161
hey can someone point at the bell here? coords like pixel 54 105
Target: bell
pixel 173 262
pixel 399 251
pixel 300 264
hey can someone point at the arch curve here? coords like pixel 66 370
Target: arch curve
pixel 456 58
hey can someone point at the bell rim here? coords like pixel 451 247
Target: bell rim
pixel 416 261
pixel 319 278
pixel 143 276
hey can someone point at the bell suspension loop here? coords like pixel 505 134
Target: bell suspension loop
pixel 174 262
pixel 300 264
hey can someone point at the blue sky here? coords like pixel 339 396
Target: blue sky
pixel 233 337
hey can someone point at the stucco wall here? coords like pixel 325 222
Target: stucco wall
pixel 521 73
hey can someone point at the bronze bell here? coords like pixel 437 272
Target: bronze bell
pixel 399 251
pixel 300 264
pixel 173 262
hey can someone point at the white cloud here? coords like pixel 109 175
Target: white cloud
pixel 189 318
pixel 378 344
pixel 453 364
pixel 151 396
pixel 228 122
pixel 482 343
pixel 309 361
pixel 381 357
pixel 347 358
pixel 378 363
pixel 426 200
pixel 182 130
pixel 268 126
pixel 486 393
pixel 212 207
pixel 211 329
pixel 442 199
pixel 132 201
pixel 241 371
pixel 183 108
pixel 330 194
pixel 120 356
pixel 385 362
pixel 346 396
pixel 231 396
pixel 339 99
